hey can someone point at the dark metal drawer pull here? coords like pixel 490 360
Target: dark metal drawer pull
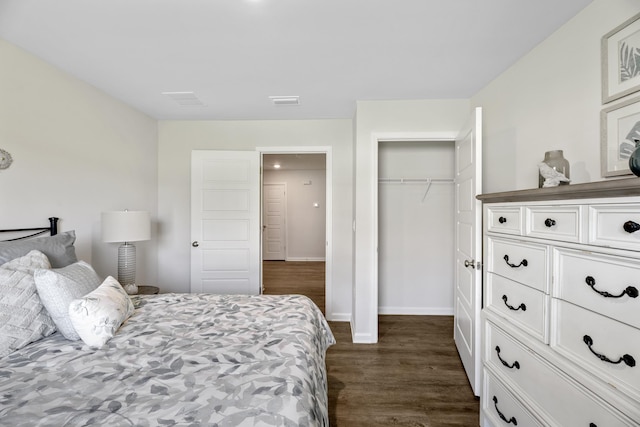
pixel 549 222
pixel 632 291
pixel 520 307
pixel 627 359
pixel 592 425
pixel 523 263
pixel 508 421
pixel 502 220
pixel 631 227
pixel 514 365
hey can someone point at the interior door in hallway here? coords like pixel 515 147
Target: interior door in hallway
pixel 274 231
pixel 468 247
pixel 225 222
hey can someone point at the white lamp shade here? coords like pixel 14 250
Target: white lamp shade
pixel 126 226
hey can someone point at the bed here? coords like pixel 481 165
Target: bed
pixel 177 359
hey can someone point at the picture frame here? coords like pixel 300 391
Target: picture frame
pixel 619 125
pixel 621 60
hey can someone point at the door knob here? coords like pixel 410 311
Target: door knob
pixel 195 244
pixel 473 264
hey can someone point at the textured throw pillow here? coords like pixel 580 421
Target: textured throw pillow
pixel 58 287
pixel 23 319
pixel 59 249
pixel 98 315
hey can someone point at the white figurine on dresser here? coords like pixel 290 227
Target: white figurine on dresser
pixel 561 316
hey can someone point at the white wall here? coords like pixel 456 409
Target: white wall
pixel 305 227
pixel 550 99
pixel 178 138
pixel 416 229
pixel 374 118
pixel 76 152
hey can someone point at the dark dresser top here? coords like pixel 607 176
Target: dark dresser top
pixel 591 190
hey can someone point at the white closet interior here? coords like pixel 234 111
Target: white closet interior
pixel 416 227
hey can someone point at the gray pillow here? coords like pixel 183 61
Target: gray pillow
pixel 58 287
pixel 23 319
pixel 59 249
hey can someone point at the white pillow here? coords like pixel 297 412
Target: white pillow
pixel 98 315
pixel 59 286
pixel 23 319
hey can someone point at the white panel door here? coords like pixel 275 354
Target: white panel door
pixel 225 222
pixel 274 229
pixel 468 231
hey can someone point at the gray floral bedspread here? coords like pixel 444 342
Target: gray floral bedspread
pixel 181 359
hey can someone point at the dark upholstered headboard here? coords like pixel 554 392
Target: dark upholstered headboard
pixel 52 229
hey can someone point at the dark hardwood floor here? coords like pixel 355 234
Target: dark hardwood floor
pixel 411 377
pixel 294 277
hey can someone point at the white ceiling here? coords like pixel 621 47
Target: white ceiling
pixel 234 54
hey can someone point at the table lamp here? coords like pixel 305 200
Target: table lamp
pixel 126 227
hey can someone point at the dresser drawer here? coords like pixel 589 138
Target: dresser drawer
pixel 520 304
pixel 604 347
pixel 501 407
pixel 554 222
pixel 602 283
pixel 523 262
pixel 564 401
pixel 501 219
pixel 615 226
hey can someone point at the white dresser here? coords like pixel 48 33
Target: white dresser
pixel 561 316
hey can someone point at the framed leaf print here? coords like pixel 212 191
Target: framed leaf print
pixel 620 129
pixel 621 60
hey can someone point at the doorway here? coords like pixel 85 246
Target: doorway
pixel 468 243
pixel 294 224
pixel 415 227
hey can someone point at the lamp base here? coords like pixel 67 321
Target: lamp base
pixel 127 265
pixel 131 289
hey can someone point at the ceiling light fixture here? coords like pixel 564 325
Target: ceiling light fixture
pixel 285 100
pixel 276 166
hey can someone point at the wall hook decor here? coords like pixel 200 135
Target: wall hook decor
pixel 5 159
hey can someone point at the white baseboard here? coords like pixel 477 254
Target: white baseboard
pixel 339 317
pixel 314 259
pixel 417 311
pixel 362 338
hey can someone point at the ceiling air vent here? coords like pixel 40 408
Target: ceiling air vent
pixel 285 100
pixel 185 99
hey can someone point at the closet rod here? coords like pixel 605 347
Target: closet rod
pixel 415 180
pixel 428 181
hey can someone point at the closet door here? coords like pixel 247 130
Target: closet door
pixel 274 228
pixel 468 239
